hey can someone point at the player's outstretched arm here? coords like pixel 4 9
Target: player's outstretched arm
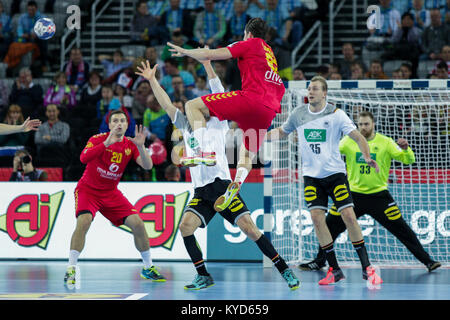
pixel 27 125
pixel 364 147
pixel 276 134
pixel 144 159
pixel 163 99
pixel 200 54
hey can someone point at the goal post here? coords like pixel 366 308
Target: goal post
pixel 417 110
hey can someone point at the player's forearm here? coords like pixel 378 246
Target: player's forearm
pixel 8 128
pixel 91 153
pixel 162 98
pixel 275 134
pixel 407 156
pixel 208 54
pixel 146 161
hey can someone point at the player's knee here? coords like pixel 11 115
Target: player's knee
pixel 247 226
pixel 187 227
pixel 317 217
pixel 84 222
pixel 348 215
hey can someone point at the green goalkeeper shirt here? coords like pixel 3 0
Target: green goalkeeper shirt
pixel 361 177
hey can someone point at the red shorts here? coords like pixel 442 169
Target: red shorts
pixel 111 204
pixel 251 115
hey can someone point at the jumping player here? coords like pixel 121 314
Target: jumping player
pixel 252 108
pixel 106 156
pixel 320 125
pixel 370 192
pixel 209 182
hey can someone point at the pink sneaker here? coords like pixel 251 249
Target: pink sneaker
pixel 332 277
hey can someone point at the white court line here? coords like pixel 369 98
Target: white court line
pixel 136 296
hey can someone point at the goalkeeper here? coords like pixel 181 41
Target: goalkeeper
pixel 370 192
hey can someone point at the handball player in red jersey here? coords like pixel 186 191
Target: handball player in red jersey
pixel 106 156
pixel 252 108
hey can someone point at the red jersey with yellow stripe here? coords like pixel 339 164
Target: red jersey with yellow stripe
pixel 259 72
pixel 105 165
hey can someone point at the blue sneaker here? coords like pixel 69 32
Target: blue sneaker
pixel 291 279
pixel 200 282
pixel 152 274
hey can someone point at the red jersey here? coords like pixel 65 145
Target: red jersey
pixel 105 165
pixel 259 72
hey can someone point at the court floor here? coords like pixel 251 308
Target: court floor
pixel 116 280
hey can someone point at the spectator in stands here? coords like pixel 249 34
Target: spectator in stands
pixel 90 96
pixel 76 70
pixel 24 170
pixel 61 94
pixel 255 8
pixel 51 137
pixel 201 87
pixel 138 107
pixel 225 7
pixel 25 32
pixel 144 27
pixel 405 42
pixel 277 16
pixel 178 39
pixel 17 140
pixel 434 37
pixel 442 70
pixel 5 32
pixel 113 65
pixel 397 74
pixel 298 74
pixel 193 67
pixel 172 173
pixel 156 119
pixel 357 71
pixel 335 76
pixel 237 22
pixel 157 7
pixel 210 26
pixel 323 71
pixel 172 70
pixel 390 20
pixel 151 55
pixel 107 102
pixel 421 16
pixel 194 5
pixel 282 52
pixel 376 70
pixel 26 94
pixel 444 56
pixel 4 97
pixel 430 4
pixel 175 18
pixel 123 94
pixel 180 92
pixel 446 13
pixel 407 70
pixel 349 58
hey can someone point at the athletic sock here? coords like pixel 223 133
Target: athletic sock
pixel 241 175
pixel 269 251
pixel 196 254
pixel 362 253
pixel 146 258
pixel 331 256
pixel 73 257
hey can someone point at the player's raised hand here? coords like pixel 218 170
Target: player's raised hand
pixel 402 143
pixel 146 71
pixel 177 51
pixel 139 136
pixel 372 163
pixel 29 125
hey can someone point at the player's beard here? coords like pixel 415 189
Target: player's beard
pixel 366 133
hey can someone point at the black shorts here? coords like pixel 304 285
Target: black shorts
pixel 202 204
pixel 380 205
pixel 336 186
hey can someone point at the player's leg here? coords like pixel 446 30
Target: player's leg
pixel 386 212
pixel 141 241
pixel 238 214
pixel 196 214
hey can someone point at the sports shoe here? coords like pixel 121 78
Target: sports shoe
pixel 332 277
pixel 152 274
pixel 225 200
pixel 433 265
pixel 291 279
pixel 206 158
pixel 316 264
pixel 371 276
pixel 200 282
pixel 72 277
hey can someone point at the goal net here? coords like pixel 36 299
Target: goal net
pixel 416 110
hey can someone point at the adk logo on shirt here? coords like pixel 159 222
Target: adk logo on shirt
pixel 315 135
pixel 360 157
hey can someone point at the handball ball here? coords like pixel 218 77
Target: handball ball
pixel 44 28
